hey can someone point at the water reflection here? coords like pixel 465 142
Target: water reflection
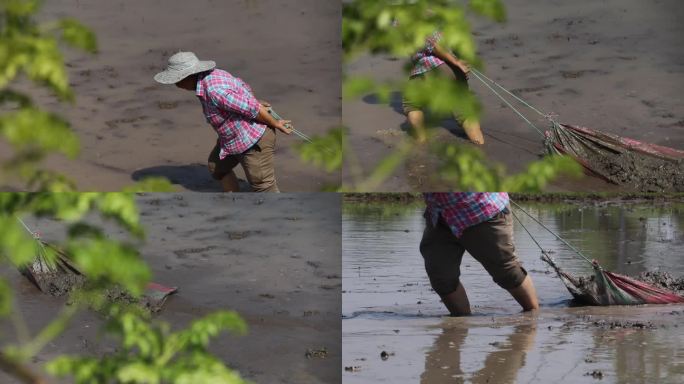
pixel 443 362
pixel 388 303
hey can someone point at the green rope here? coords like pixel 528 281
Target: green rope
pixel 552 232
pixel 508 103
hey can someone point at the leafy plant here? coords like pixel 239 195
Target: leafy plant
pixel 33 50
pixel 153 354
pixel 150 352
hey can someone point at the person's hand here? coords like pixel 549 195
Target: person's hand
pixel 284 126
pixel 464 67
pixel 265 103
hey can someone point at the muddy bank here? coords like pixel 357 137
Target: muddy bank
pixel 275 259
pixel 591 63
pixel 555 197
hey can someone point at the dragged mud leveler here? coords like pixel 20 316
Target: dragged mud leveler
pixel 619 160
pixel 53 272
pixel 604 287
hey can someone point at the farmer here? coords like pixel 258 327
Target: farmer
pixel 431 61
pixel 246 130
pixel 481 224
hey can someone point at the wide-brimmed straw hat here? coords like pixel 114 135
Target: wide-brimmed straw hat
pixel 182 65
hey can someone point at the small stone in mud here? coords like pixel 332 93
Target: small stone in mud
pixel 384 355
pixel 267 296
pixel 596 374
pixel 321 353
pixel 355 368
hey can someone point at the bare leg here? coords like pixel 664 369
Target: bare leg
pixel 473 131
pixel 230 183
pixel 417 121
pixel 526 295
pixel 457 302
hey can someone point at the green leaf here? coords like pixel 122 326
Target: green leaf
pixel 494 9
pixel 151 184
pixel 326 151
pixel 5 298
pixel 540 173
pixel 78 35
pixel 356 87
pixel 108 262
pixel 44 131
pixel 16 244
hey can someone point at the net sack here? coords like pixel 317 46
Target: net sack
pixel 642 166
pixel 608 288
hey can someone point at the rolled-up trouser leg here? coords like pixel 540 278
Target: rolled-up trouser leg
pixel 442 254
pixel 258 163
pixel 491 243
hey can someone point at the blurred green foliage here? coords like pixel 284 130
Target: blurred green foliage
pixel 399 28
pixel 150 352
pixel 153 354
pixel 467 169
pixel 324 151
pixel 32 50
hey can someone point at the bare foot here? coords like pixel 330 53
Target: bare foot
pixel 473 131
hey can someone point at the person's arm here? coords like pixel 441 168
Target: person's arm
pixel 245 104
pixel 264 117
pixel 450 59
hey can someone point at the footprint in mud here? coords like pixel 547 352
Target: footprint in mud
pixel 530 89
pixel 330 287
pixel 320 353
pixel 239 235
pixel 580 73
pixel 569 92
pixel 167 104
pixel 112 124
pixel 183 253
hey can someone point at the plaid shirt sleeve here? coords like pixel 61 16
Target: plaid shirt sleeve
pixel 242 103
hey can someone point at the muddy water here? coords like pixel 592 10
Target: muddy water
pixel 388 304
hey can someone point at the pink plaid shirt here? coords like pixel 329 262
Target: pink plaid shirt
pixel 461 210
pixel 231 108
pixel 424 60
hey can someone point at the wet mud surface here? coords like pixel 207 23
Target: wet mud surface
pixel 628 168
pixel 590 63
pixel 130 127
pixel 388 304
pixel 663 280
pixel 281 274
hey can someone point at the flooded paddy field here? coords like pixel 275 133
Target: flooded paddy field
pixel 395 329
